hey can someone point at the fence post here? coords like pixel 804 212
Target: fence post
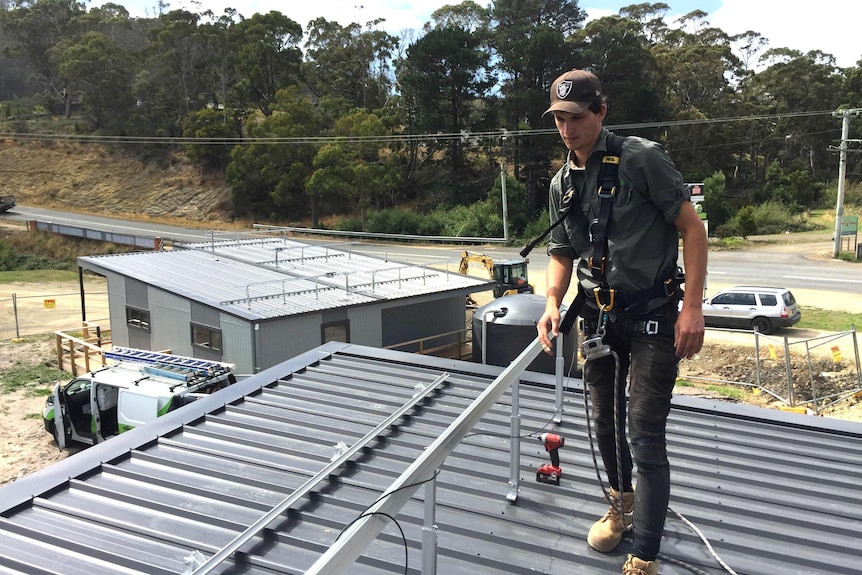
pixel 856 352
pixel 15 313
pixel 757 359
pixel 789 373
pixel 811 378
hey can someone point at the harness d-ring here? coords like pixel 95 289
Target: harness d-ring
pixel 597 293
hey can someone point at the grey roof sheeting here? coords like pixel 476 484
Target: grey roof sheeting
pixel 773 492
pixel 241 277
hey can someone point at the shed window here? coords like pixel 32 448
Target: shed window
pixel 139 318
pixel 206 337
pixel 335 331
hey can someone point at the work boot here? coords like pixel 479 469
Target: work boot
pixel 636 566
pixel 605 534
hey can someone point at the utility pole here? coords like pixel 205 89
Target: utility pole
pixel 505 199
pixel 842 171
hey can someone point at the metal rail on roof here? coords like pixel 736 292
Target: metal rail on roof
pixel 318 286
pixel 318 477
pixel 355 538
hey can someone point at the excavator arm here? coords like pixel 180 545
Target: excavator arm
pixel 467 258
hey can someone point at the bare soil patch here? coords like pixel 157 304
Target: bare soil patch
pixel 25 446
pixel 102 180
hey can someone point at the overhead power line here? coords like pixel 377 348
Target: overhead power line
pixel 492 135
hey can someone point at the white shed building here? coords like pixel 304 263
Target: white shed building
pixel 256 302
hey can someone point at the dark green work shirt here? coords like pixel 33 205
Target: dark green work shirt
pixel 643 242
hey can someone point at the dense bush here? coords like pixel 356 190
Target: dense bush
pixel 47 251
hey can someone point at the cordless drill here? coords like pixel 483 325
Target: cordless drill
pixel 551 472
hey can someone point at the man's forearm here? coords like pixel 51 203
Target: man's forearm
pixel 559 276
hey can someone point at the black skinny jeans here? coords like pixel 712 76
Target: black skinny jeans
pixel 652 362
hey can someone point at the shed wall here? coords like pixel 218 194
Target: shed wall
pixel 402 323
pixel 238 339
pixel 170 317
pixel 281 339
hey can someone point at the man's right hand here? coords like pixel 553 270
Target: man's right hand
pixel 548 327
pixel 559 275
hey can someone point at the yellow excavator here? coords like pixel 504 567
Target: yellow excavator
pixel 510 275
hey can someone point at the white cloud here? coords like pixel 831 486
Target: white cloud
pixel 831 26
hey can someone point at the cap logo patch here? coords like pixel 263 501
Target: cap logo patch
pixel 564 88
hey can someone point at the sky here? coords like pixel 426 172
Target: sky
pixel 830 26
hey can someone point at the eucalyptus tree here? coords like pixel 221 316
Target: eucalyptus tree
pixel 103 72
pixel 531 39
pixel 175 76
pixel 619 54
pixel 698 70
pixel 350 62
pixel 268 179
pixel 268 57
pixel 797 83
pixel 353 169
pixel 220 39
pixel 36 29
pixel 444 81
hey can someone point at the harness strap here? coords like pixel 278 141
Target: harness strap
pixel 609 181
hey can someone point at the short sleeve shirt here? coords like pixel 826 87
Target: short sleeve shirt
pixel 643 242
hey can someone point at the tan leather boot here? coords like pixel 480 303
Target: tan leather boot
pixel 637 566
pixel 605 534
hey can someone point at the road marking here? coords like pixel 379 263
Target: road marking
pixel 823 280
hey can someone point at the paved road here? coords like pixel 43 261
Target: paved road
pixel 800 262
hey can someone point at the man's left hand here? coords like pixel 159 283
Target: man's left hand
pixel 688 333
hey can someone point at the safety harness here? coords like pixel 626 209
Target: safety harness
pixel 636 305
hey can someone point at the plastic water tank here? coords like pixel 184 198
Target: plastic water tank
pixel 509 325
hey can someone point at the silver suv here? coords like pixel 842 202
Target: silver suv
pixel 750 307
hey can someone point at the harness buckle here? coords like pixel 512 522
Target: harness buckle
pixel 602 193
pixel 669 287
pixel 600 268
pixel 610 292
pixel 651 327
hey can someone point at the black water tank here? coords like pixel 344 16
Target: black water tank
pixel 510 326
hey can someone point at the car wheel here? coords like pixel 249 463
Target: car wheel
pixel 761 325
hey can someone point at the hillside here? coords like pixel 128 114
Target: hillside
pixel 98 179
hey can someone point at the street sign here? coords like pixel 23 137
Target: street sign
pixel 849 225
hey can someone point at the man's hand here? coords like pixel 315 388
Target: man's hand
pixel 548 327
pixel 688 332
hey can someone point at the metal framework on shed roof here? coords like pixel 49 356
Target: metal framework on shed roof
pixel 247 278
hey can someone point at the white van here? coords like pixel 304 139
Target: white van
pixel 139 387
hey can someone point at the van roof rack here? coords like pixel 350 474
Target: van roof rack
pixel 185 369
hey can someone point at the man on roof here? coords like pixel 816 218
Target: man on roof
pixel 621 244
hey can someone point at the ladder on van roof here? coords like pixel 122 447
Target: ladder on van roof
pixel 185 369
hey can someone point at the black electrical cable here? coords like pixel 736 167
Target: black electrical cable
pixel 395 521
pixel 365 513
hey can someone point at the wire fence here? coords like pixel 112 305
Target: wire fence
pixel 27 315
pixel 810 374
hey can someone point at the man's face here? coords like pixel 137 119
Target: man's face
pixel 580 131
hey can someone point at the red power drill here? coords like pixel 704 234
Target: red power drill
pixel 551 472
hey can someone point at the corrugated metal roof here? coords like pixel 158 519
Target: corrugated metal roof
pixel 243 278
pixel 773 492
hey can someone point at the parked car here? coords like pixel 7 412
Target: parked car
pixel 752 307
pixel 6 203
